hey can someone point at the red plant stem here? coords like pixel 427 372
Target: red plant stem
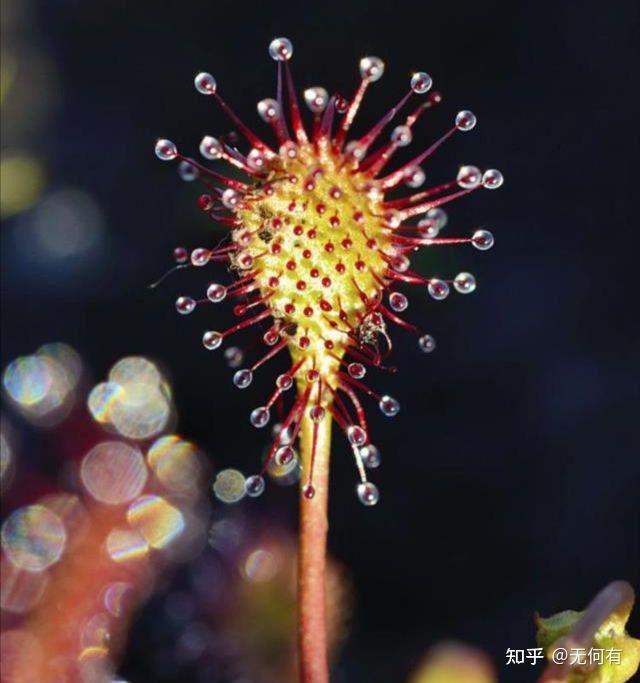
pixel 312 550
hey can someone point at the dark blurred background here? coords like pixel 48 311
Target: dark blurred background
pixel 510 479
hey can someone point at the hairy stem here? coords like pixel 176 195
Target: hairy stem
pixel 312 547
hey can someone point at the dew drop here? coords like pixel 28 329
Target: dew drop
pixel 284 382
pixel 260 417
pixel 308 491
pixel 316 413
pixel 243 378
pixel 230 198
pixel 469 177
pixel 210 148
pixel 465 283
pixel 280 49
pixel 356 150
pixel 288 149
pixel 200 257
pixel 205 83
pixel 370 456
pixel 254 485
pixel 187 171
pixel 211 340
pixel 398 302
pixel 166 150
pixel 185 305
pixel 256 160
pixel 268 110
pixel 427 343
pixel 492 179
pixel 316 99
pixel 368 493
pixel 285 455
pixel 414 177
pixel 181 255
pixel 356 370
pixel 389 406
pixel 371 68
pixel 400 263
pixel 401 135
pixel 421 82
pixel 438 217
pixel 438 289
pixel 356 435
pixel 392 219
pixel 216 292
pixel 482 240
pixel 465 120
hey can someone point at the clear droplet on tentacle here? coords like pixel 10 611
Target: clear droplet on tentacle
pixel 427 343
pixel 401 135
pixel 464 283
pixel 211 340
pixel 200 257
pixel 469 177
pixel 289 149
pixel 316 99
pixel 482 240
pixel 465 120
pixel 370 456
pixel 368 493
pixel 254 485
pixel 280 49
pixel 268 110
pixel 371 68
pixel 438 289
pixel 216 292
pixel 260 417
pixel 398 302
pixel 210 148
pixel 356 435
pixel 185 305
pixel 243 378
pixel 421 82
pixel 187 171
pixel 492 179
pixel 389 406
pixel 285 455
pixel 256 160
pixel 231 198
pixel 414 176
pixel 400 263
pixel 317 413
pixel 284 382
pixel 166 150
pixel 205 83
pixel 356 370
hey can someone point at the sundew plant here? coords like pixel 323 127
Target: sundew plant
pixel 319 247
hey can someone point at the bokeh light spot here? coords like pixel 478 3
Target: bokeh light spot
pixel 21 183
pixel 102 399
pixel 175 463
pixel 20 590
pixel 113 472
pixel 260 566
pixel 33 537
pixel 157 521
pixel 229 486
pixel 125 545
